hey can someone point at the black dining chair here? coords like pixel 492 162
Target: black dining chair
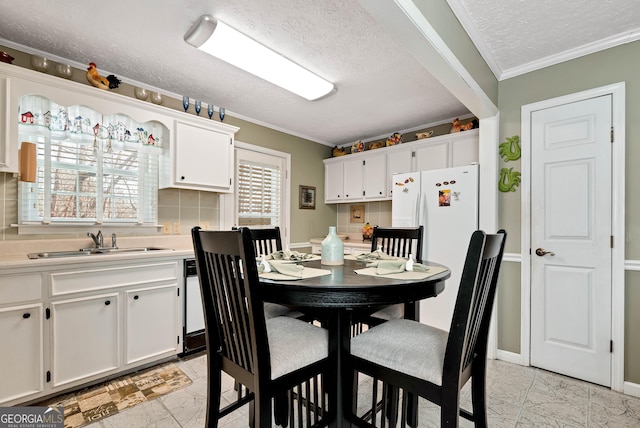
pixel 265 242
pixel 278 357
pixel 399 242
pixel 424 361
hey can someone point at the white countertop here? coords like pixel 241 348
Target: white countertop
pixel 13 254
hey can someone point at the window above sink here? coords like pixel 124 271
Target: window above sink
pixel 91 168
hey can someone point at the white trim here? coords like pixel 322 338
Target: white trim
pixel 589 48
pixel 617 91
pixel 286 195
pixel 630 388
pixel 510 357
pixel 465 20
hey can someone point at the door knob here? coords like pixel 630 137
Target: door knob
pixel 542 252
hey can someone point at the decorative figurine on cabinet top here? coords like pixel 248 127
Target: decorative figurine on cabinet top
pixel 395 138
pixel 357 147
pixel 110 82
pixel 338 151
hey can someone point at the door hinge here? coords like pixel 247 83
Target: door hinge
pixel 611 241
pixel 178 340
pixel 47 313
pixel 413 154
pixel 611 346
pixel 48 376
pixel 363 193
pixel 612 134
pixel 229 182
pixel 364 162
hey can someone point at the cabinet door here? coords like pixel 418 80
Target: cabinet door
pixel 85 338
pixel 353 179
pixel 151 322
pixel 334 182
pixel 375 177
pixel 21 368
pixel 465 150
pixel 203 158
pixel 398 162
pixel 432 156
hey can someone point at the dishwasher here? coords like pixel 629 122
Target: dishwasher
pixel 193 322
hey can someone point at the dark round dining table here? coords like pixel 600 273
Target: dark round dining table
pixel 340 298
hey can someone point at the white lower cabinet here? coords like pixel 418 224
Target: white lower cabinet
pixel 85 338
pixel 21 359
pixel 67 326
pixel 150 322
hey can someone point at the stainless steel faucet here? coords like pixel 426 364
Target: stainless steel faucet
pixel 97 239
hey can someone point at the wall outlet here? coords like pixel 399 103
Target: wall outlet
pixel 176 228
pixel 166 228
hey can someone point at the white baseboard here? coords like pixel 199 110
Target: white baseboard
pixel 509 357
pixel 631 389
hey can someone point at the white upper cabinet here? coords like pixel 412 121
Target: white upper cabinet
pixel 197 153
pixel 202 156
pixel 368 176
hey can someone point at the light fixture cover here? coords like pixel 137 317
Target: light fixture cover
pixel 222 41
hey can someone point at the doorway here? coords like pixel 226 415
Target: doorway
pixel 573 205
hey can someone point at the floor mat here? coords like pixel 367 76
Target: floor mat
pixel 98 402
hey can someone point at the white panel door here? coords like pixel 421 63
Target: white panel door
pixel 570 239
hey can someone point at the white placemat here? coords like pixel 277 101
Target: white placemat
pixel 410 275
pixel 306 273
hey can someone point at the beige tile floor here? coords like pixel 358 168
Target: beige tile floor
pixel 517 397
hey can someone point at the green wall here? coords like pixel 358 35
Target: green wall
pixel 620 64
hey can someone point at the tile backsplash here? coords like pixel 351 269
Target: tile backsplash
pixel 376 213
pixel 187 208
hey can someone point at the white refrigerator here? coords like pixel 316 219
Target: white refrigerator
pixel 445 202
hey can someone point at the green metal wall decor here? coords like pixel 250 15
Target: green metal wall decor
pixel 510 149
pixel 509 180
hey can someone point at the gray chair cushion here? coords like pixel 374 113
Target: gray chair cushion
pixel 405 346
pixel 390 313
pixel 272 310
pixel 294 344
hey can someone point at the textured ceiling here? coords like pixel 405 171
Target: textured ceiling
pixel 381 87
pixel 517 36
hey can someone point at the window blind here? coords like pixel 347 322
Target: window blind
pixel 259 193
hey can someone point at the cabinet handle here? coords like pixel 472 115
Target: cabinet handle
pixel 107 302
pixel 182 177
pixel 136 297
pixel 27 315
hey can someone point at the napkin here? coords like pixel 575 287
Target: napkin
pixel 376 255
pixel 288 269
pixel 289 255
pixel 386 267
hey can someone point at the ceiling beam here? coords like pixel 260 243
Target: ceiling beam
pixel 404 20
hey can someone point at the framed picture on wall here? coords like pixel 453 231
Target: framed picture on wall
pixel 307 198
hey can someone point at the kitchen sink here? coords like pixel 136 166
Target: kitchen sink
pixel 84 252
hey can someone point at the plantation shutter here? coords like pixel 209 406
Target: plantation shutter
pixel 259 189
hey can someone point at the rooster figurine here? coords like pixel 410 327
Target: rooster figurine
pixel 110 82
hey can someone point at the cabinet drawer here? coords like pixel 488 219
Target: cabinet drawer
pixel 98 279
pixel 20 288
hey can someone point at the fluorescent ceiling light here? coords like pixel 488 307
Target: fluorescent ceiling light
pixel 218 39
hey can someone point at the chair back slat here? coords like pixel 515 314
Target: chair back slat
pixel 399 242
pixel 266 241
pixel 472 313
pixel 226 280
